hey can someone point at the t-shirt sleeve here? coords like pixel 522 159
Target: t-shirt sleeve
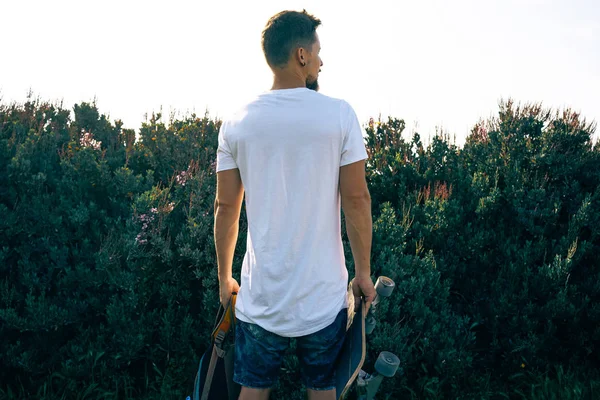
pixel 225 159
pixel 353 145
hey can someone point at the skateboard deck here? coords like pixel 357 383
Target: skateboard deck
pixel 214 379
pixel 352 355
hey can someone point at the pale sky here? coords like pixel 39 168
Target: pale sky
pixel 431 62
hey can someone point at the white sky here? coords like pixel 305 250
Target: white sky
pixel 431 62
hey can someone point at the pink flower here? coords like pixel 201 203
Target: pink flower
pixel 139 240
pixel 182 178
pixel 87 140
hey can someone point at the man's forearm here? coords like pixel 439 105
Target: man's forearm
pixel 226 234
pixel 359 225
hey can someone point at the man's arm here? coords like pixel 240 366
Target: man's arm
pixel 228 204
pixel 356 203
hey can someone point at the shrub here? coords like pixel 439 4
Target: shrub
pixel 108 279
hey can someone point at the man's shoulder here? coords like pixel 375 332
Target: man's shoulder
pixel 327 99
pixel 242 109
pixel 342 105
pixel 257 102
pixel 306 93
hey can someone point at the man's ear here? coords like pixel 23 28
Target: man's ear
pixel 301 55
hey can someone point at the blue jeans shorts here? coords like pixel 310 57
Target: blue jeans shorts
pixel 259 354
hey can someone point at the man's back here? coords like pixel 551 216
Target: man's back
pixel 289 146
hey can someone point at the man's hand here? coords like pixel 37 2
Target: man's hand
pixel 228 203
pixel 363 286
pixel 226 289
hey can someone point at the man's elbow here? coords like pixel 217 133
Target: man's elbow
pixel 222 208
pixel 357 200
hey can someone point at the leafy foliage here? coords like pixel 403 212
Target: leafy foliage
pixel 108 281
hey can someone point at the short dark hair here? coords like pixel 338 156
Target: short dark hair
pixel 286 31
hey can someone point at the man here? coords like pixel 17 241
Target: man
pixel 297 155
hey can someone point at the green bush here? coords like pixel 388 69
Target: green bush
pixel 106 287
pixel 108 279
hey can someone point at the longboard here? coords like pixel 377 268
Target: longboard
pixel 214 379
pixel 352 355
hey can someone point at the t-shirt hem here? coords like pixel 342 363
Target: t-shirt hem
pixel 226 167
pixel 353 160
pixel 293 334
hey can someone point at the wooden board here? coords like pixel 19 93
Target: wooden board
pixel 352 356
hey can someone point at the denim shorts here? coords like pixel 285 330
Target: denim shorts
pixel 259 354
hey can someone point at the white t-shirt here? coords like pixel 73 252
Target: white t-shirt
pixel 289 146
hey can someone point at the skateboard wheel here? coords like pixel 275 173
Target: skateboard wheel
pixel 384 286
pixel 387 364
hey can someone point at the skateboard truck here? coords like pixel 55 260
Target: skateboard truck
pixel 387 363
pixel 349 373
pixel 383 288
pixel 386 366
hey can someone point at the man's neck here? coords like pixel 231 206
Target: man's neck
pixel 288 81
